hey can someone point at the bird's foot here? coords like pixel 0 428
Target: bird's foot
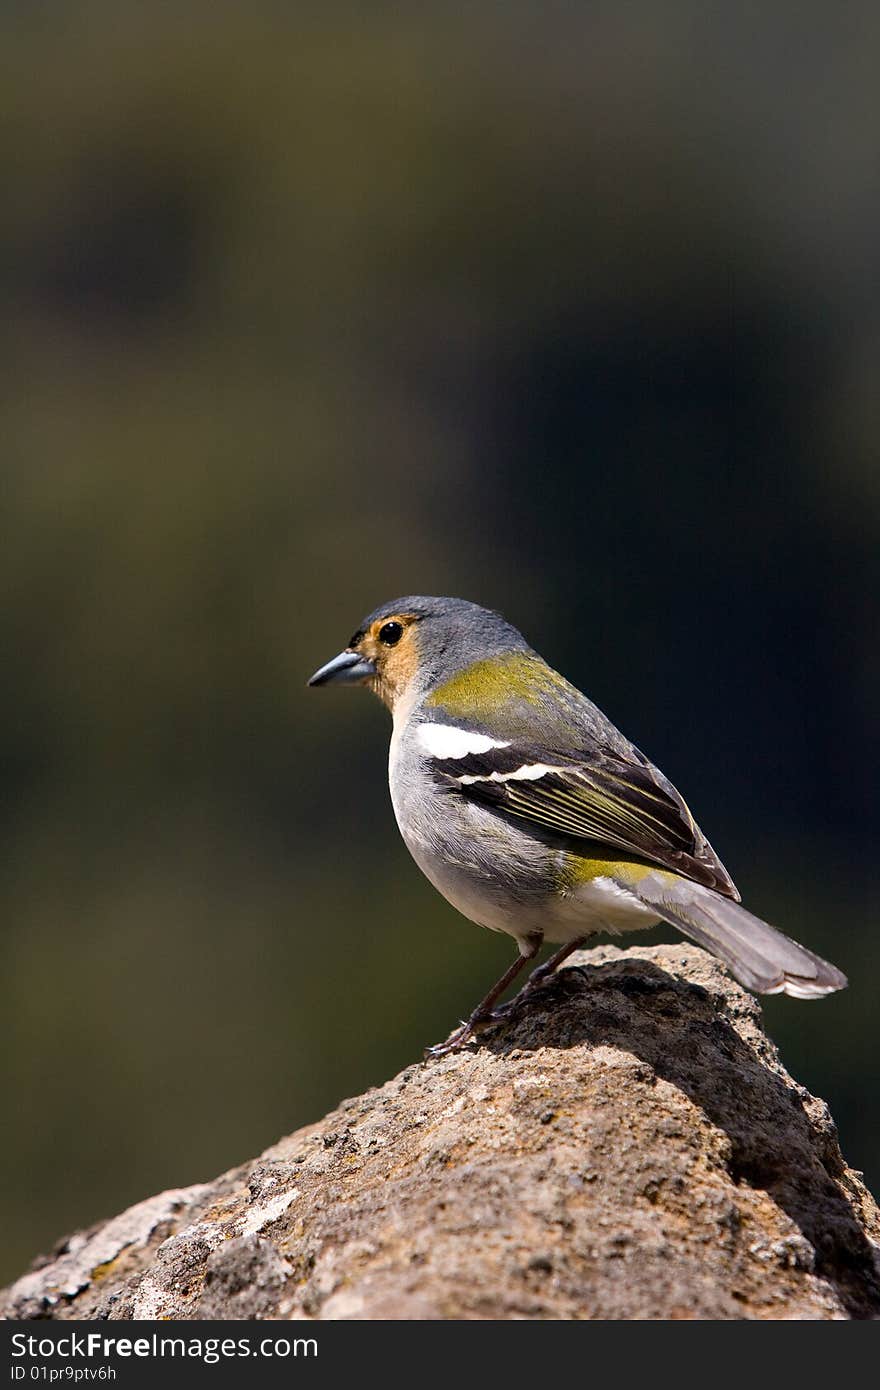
pixel 486 1017
pixel 478 1022
pixel 535 982
pixel 463 1034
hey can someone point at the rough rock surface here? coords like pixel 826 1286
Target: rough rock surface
pixel 626 1145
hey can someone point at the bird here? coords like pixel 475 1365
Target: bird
pixel 533 815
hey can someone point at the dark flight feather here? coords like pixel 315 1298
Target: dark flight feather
pixel 602 798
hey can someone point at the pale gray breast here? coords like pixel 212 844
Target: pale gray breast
pixel 494 873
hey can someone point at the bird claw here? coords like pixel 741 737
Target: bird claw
pixel 477 1023
pixel 465 1033
pixel 452 1043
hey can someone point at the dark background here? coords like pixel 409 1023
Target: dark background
pixel 571 310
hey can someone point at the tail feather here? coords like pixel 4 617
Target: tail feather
pixel 758 955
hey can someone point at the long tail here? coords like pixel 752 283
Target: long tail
pixel 758 955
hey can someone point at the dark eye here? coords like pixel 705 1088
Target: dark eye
pixel 389 633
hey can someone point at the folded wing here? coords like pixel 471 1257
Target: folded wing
pixel 604 797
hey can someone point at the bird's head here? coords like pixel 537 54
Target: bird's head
pixel 411 645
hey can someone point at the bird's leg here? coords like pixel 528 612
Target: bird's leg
pixel 551 964
pixel 483 1012
pixel 540 974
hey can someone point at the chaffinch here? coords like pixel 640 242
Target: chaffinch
pixel 533 815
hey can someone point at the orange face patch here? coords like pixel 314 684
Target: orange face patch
pixel 392 646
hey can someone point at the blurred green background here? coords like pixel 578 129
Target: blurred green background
pixel 571 310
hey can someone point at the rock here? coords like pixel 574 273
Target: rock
pixel 626 1145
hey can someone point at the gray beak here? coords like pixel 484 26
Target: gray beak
pixel 348 668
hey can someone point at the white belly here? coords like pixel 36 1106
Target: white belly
pixel 599 906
